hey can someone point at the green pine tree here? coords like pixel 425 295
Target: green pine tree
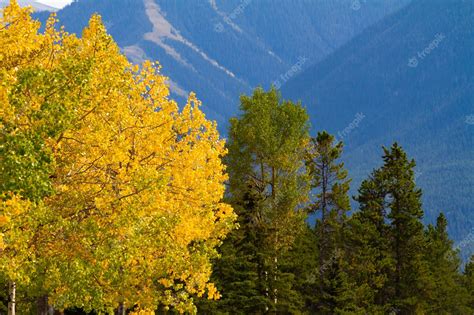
pixel 387 238
pixel 338 296
pixel 445 292
pixel 329 181
pixel 266 165
pixel 369 256
pixel 468 282
pixel 238 273
pixel 406 229
pixel 301 261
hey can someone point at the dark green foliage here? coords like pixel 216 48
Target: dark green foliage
pixel 379 261
pixel 337 294
pixel 445 292
pixel 386 237
pixel 331 201
pixel 330 183
pixel 468 281
pixel 406 230
pixel 369 258
pixel 238 274
pixel 301 261
pixel 392 263
pixel 268 185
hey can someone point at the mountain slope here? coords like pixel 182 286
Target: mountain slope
pixel 221 49
pixel 411 79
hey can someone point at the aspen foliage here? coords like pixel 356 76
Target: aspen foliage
pixel 128 188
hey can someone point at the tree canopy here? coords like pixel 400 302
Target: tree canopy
pixel 111 195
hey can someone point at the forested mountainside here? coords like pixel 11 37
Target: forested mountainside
pixel 409 78
pixel 221 49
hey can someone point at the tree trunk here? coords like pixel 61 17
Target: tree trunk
pixel 42 307
pixel 273 182
pixel 121 309
pixel 275 290
pixel 12 298
pixel 322 244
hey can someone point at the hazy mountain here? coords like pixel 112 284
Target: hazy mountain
pixel 221 49
pixel 35 4
pixel 409 78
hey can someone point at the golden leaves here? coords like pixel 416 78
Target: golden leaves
pixel 138 184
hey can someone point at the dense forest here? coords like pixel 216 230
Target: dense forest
pixel 114 200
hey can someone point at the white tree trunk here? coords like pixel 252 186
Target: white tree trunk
pixel 12 298
pixel 121 309
pixel 275 291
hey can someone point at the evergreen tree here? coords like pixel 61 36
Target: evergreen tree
pixel 331 185
pixel 265 161
pixel 468 281
pixel 338 295
pixel 388 239
pixel 370 261
pixel 406 229
pixel 301 261
pixel 330 182
pixel 445 293
pixel 237 273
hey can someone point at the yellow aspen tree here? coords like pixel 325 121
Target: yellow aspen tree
pixel 134 215
pixel 30 114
